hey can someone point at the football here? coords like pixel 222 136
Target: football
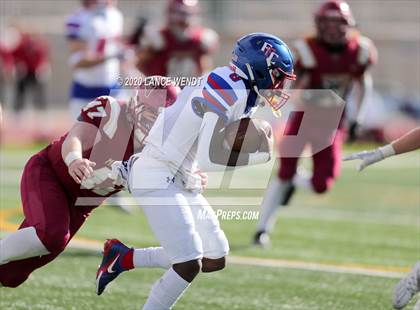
pixel 246 134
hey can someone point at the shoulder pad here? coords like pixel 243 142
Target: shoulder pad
pixel 304 54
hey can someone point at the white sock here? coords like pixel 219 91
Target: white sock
pixel 303 179
pixel 166 291
pixel 21 244
pixel 153 257
pixel 270 204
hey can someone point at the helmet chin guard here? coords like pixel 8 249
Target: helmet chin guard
pixel 275 96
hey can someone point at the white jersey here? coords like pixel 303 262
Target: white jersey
pixel 173 138
pixel 102 31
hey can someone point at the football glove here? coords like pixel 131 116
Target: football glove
pixel 370 157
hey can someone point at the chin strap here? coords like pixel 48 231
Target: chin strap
pixel 253 83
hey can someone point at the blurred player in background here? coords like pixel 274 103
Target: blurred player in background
pixel 94 38
pixel 336 59
pixel 409 286
pixel 181 47
pixel 64 182
pixel 32 67
pixel 166 172
pixel 6 66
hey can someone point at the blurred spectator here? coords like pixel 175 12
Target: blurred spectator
pixel 9 39
pixel 6 62
pixel 182 47
pixel 94 37
pixel 31 62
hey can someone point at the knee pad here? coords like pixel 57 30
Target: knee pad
pixel 190 248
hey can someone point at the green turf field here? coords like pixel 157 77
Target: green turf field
pixel 369 220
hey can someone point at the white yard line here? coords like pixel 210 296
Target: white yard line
pixel 313 266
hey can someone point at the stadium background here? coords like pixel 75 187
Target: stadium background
pixel 394 26
pixel 344 250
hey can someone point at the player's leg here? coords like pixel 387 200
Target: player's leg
pixel 327 165
pixel 20 90
pixel 39 89
pixel 173 225
pixel 278 193
pixel 407 287
pixel 215 243
pixel 45 229
pixel 43 201
pixel 15 273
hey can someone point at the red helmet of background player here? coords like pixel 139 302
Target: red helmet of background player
pixel 89 3
pixel 333 20
pixel 181 13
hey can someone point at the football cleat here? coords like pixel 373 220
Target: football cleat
pixel 407 287
pixel 262 239
pixel 111 266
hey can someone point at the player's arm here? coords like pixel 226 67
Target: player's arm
pixel 81 58
pixel 407 143
pixel 367 57
pixel 151 43
pixel 214 156
pixel 363 87
pixel 206 63
pixel 81 137
pixel 143 57
pixel 209 45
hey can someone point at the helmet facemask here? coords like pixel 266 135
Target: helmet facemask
pixel 134 110
pixel 276 95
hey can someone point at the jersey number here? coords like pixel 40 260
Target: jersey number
pixel 100 111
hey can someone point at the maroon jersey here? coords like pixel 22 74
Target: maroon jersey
pixel 31 54
pixel 116 143
pixel 335 70
pixel 173 56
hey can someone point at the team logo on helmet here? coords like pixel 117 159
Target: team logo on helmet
pixel 269 52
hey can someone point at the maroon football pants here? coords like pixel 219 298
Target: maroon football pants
pixel 326 165
pixel 52 213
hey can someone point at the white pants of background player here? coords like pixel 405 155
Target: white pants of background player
pixel 183 222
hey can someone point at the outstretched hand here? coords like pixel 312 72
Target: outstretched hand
pixel 368 158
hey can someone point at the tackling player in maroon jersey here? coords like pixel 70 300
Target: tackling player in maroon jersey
pixel 64 182
pixel 336 58
pixel 181 48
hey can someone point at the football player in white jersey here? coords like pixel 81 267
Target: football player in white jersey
pixel 409 286
pixel 94 39
pixel 187 137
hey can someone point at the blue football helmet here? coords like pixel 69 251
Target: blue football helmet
pixel 267 63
